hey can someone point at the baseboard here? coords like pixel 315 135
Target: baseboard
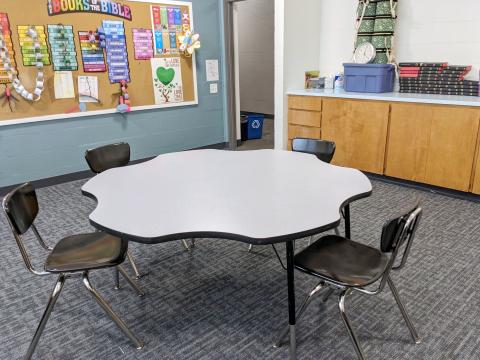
pixel 425 187
pixel 81 175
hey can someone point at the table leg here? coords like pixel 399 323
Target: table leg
pixel 347 222
pixel 291 299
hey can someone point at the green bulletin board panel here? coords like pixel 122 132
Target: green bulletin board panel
pixel 141 86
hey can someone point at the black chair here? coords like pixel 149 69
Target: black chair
pixel 347 266
pixel 324 150
pixel 71 256
pixel 112 156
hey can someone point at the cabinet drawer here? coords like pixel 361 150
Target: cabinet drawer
pixel 312 103
pixel 304 118
pixel 295 131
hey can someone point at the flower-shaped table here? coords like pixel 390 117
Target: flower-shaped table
pixel 257 197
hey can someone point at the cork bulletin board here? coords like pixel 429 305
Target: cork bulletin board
pixel 134 14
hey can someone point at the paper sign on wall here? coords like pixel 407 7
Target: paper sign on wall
pixel 167 80
pixel 92 54
pixel 169 23
pixel 212 70
pixel 117 57
pixel 28 46
pixel 63 84
pixel 62 46
pixel 88 89
pixel 143 44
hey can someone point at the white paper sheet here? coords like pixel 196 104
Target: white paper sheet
pixel 88 89
pixel 212 70
pixel 63 83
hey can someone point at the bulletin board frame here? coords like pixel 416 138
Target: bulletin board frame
pixel 113 110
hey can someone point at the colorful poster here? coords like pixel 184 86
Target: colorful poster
pixel 169 23
pixel 143 44
pixel 92 54
pixel 62 46
pixel 107 7
pixel 27 45
pixel 167 80
pixel 7 37
pixel 116 47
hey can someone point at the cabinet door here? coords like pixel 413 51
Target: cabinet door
pixel 432 144
pixel 311 103
pixel 476 179
pixel 408 140
pixel 359 129
pixel 452 147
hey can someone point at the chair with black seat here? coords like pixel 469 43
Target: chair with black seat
pixel 346 266
pixel 108 157
pixel 71 256
pixel 324 150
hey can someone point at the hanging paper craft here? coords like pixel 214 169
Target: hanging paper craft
pixel 143 44
pixel 92 53
pixel 169 23
pixel 30 54
pixel 189 43
pixel 7 38
pixel 10 99
pixel 116 46
pixel 32 36
pixel 167 80
pixel 124 100
pixel 62 45
pixel 107 7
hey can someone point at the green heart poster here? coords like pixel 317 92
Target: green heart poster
pixel 167 80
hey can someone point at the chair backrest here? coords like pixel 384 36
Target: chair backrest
pixel 21 208
pixel 398 233
pixel 107 157
pixel 324 150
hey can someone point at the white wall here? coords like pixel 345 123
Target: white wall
pixel 256 55
pixel 296 51
pixel 427 30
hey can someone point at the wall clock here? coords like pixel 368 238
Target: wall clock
pixel 364 53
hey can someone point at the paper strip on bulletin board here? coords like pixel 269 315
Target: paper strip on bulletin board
pixel 130 46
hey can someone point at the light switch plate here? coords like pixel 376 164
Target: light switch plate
pixel 214 88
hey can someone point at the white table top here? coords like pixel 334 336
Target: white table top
pixel 394 97
pixel 259 197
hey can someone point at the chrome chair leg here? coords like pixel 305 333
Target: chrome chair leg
pixel 130 281
pixel 299 314
pixel 250 247
pixel 192 243
pixel 134 266
pixel 327 295
pixel 353 337
pixel 104 305
pixel 51 303
pixel 409 323
pixel 185 245
pixel 117 279
pixel 337 232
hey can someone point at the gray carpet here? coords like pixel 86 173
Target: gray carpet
pixel 222 302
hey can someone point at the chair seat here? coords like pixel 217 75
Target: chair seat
pixel 86 252
pixel 342 261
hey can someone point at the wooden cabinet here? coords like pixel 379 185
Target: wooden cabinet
pixel 432 144
pixel 359 129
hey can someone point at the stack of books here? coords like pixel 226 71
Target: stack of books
pixel 436 78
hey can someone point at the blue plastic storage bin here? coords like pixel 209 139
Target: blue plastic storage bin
pixel 255 126
pixel 370 78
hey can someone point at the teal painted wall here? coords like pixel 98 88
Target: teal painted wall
pixel 51 148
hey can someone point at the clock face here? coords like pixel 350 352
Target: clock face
pixel 364 53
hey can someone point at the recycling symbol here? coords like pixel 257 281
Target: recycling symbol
pixel 256 124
